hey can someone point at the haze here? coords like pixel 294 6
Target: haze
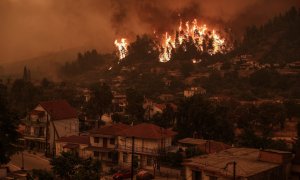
pixel 35 27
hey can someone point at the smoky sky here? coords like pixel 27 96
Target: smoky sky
pixel 30 28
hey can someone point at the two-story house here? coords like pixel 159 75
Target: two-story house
pixel 47 122
pixel 149 142
pixel 103 142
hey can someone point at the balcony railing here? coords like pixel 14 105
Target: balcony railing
pixel 142 150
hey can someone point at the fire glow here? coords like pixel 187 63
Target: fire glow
pixel 122 48
pixel 204 39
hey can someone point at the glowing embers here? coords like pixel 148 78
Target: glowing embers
pixel 122 48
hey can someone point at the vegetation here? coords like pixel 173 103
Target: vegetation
pixel 70 166
pixel 8 128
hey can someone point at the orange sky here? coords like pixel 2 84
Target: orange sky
pixel 31 28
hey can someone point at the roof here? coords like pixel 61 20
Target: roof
pixel 113 129
pixel 192 141
pixel 59 109
pixel 75 139
pixel 206 146
pixel 247 162
pixel 148 131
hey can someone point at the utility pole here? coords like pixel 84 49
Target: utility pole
pixel 132 158
pixel 234 168
pixel 22 160
pixel 46 140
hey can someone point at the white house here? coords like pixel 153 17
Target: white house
pixel 47 122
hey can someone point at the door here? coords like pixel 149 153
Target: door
pixel 104 142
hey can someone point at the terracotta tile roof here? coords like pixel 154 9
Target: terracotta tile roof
pixel 75 139
pixel 59 109
pixel 113 129
pixel 148 131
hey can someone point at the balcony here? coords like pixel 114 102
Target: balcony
pixel 138 150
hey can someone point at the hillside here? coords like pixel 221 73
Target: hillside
pixel 277 41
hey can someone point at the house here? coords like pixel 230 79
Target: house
pixel 47 122
pixel 193 91
pixel 204 146
pixel 243 163
pixel 76 144
pixel 103 142
pixel 152 108
pixel 148 139
pixel 119 103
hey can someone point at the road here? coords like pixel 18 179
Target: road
pixel 31 161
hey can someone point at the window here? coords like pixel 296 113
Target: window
pixel 96 154
pixel 96 139
pixel 112 141
pixel 125 157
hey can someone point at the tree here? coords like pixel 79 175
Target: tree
pixel 70 166
pixel 201 117
pixel 42 174
pixel 65 165
pixel 8 128
pixel 101 99
pixel 135 104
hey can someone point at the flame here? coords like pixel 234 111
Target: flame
pixel 200 35
pixel 122 47
pixel 197 33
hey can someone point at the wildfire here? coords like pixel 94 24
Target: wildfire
pixel 204 39
pixel 122 47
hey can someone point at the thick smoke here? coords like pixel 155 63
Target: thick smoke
pixel 35 27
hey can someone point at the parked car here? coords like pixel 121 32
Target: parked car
pixel 144 175
pixel 122 174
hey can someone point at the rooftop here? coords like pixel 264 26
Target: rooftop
pixel 147 131
pixel 113 129
pixel 75 139
pixel 59 109
pixel 247 162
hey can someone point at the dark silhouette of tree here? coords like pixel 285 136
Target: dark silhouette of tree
pixel 70 166
pixel 8 128
pixel 197 115
pixel 135 104
pixel 100 102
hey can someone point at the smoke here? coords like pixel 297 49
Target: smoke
pixel 35 27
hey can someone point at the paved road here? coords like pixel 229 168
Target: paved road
pixel 31 161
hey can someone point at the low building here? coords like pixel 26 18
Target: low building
pixel 104 141
pixel 47 122
pixel 202 145
pixel 76 144
pixel 244 163
pixel 149 141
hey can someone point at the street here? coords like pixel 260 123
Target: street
pixel 31 161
